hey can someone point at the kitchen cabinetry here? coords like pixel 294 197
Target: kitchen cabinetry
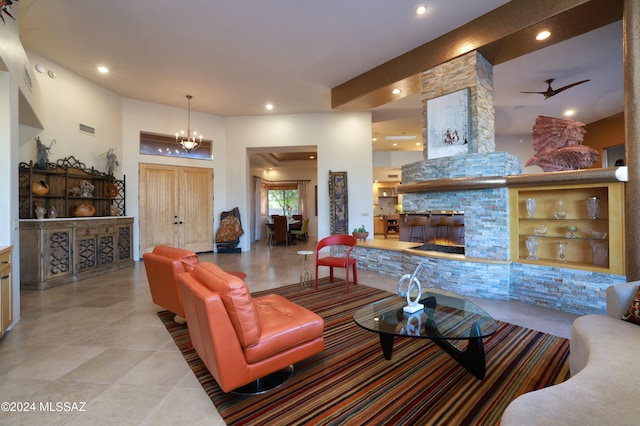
pixel 6 289
pixel 587 240
pixel 379 225
pixel 57 251
pixel 62 182
pixel 392 225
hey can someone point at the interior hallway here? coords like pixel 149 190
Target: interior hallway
pixel 100 341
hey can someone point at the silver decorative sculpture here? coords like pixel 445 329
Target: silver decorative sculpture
pixel 414 284
pixel 112 161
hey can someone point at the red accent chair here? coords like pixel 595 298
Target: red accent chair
pixel 163 266
pixel 337 261
pixel 241 339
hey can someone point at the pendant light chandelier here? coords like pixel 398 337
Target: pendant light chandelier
pixel 189 142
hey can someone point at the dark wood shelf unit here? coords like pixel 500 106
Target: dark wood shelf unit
pixel 62 177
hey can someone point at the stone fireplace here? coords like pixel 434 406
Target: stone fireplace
pixel 486 212
pixel 478 185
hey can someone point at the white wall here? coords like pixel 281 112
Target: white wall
pixel 343 141
pixel 396 158
pixel 69 101
pixel 144 116
pixel 15 94
pixel 518 145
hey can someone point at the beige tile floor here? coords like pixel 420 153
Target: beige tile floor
pixel 99 344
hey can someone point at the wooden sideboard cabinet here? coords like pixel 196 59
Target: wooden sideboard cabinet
pixel 58 251
pixel 6 289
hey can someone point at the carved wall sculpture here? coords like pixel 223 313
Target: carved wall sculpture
pixel 558 145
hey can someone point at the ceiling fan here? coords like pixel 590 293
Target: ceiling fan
pixel 552 92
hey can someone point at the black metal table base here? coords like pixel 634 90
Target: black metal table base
pixel 472 358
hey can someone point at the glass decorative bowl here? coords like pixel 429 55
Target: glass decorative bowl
pixel 540 230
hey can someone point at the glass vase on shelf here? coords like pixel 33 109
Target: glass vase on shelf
pixel 562 252
pixel 561 210
pixel 532 247
pixel 593 207
pixel 531 207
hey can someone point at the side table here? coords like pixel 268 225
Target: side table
pixel 305 276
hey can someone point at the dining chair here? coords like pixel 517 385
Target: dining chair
pixel 331 261
pixel 271 233
pixel 280 229
pixel 302 232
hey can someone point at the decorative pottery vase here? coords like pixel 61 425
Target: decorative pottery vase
pixel 53 212
pixel 40 187
pixel 360 236
pixel 113 210
pixel 83 210
pixel 86 189
pixel 111 190
pixel 40 211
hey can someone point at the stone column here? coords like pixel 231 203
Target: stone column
pixel 468 71
pixel 631 40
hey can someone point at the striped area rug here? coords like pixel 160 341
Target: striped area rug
pixel 350 382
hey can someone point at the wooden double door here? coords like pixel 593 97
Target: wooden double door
pixel 176 207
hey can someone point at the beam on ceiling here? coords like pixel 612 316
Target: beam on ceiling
pixel 500 35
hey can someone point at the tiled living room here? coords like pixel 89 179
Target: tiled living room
pixel 100 342
pixel 88 192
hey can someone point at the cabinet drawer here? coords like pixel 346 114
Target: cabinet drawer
pixel 87 231
pixel 109 229
pixel 5 258
pixel 5 262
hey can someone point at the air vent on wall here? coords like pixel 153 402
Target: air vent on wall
pixel 27 79
pixel 392 176
pixel 87 129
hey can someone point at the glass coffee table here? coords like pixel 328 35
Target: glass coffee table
pixel 446 317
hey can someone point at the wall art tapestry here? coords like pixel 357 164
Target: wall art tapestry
pixel 448 125
pixel 338 203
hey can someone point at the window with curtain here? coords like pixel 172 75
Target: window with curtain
pixel 282 199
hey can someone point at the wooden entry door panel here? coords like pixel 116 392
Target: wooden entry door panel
pixel 176 205
pixel 196 209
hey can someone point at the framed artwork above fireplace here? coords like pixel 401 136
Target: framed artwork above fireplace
pixel 448 124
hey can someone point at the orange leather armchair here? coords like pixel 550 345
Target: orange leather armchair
pixel 241 339
pixel 163 266
pixel 345 261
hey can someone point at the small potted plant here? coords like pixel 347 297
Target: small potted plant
pixel 360 234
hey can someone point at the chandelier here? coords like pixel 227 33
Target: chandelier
pixel 189 142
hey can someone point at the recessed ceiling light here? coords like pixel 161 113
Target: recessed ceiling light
pixel 103 69
pixel 395 144
pixel 421 10
pixel 569 112
pixel 418 143
pixel 400 138
pixel 543 35
pixel 269 106
pixel 374 139
pixel 396 91
pixel 312 157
